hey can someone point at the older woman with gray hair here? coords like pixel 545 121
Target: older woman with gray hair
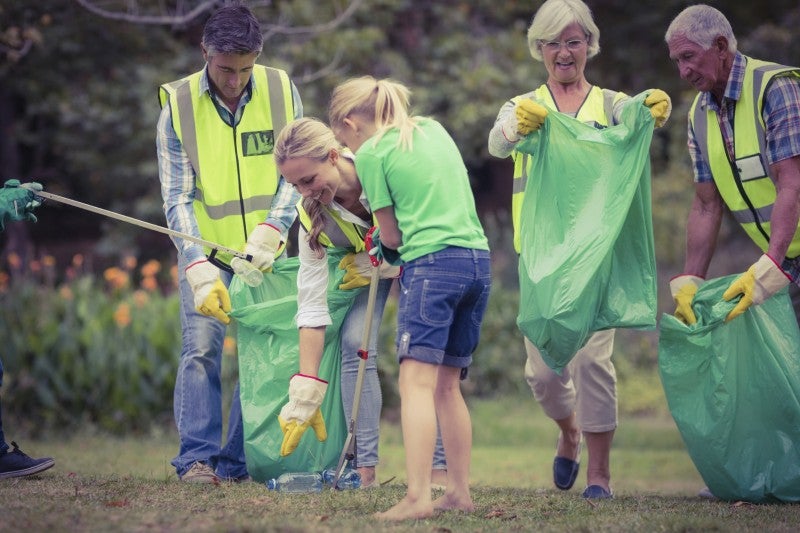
pixel 582 400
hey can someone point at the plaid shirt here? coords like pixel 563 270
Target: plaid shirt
pixel 177 175
pixel 782 120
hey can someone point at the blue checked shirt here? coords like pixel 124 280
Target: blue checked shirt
pixel 781 118
pixel 178 183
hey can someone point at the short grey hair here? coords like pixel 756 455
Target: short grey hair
pixel 701 24
pixel 555 15
pixel 232 29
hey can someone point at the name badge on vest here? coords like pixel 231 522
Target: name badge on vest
pixel 751 168
pixel 258 142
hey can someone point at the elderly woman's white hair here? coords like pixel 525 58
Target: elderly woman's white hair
pixel 555 15
pixel 701 24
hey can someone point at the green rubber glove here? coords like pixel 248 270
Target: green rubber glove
pixel 379 253
pixel 18 201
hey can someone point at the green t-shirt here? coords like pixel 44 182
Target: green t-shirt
pixel 428 187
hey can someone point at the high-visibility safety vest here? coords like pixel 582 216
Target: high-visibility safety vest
pixel 337 232
pixel 235 171
pixel 597 110
pixel 744 183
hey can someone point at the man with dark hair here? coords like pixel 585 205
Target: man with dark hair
pixel 220 183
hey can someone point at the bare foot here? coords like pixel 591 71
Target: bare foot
pixel 451 501
pixel 438 478
pixel 405 510
pixel 368 477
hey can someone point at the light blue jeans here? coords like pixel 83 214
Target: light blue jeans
pixel 369 409
pixel 197 400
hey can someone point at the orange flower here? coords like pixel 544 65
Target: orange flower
pixel 140 299
pixel 122 316
pixel 65 292
pixel 77 260
pixel 14 260
pixel 129 262
pixel 116 277
pixel 149 283
pixel 4 277
pixel 151 268
pixel 49 261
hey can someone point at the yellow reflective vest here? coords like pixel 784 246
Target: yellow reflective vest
pixel 597 110
pixel 235 171
pixel 337 232
pixel 744 183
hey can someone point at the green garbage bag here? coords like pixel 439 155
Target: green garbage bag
pixel 587 260
pixel 734 392
pixel 267 340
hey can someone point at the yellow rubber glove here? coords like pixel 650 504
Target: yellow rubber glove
pixel 660 106
pixel 353 277
pixel 305 398
pixel 530 116
pixel 683 289
pixel 211 297
pixel 359 269
pixel 763 279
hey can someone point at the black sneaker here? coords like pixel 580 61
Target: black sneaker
pixel 15 463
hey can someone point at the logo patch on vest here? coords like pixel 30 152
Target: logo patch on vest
pixel 258 142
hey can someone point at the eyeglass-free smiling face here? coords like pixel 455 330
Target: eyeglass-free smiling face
pixel 565 58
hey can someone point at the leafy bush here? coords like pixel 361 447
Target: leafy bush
pixel 85 350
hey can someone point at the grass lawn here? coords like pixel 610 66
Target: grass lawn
pixel 103 483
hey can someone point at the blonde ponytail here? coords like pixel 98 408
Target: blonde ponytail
pixel 384 102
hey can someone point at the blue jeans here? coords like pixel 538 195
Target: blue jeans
pixel 3 445
pixel 369 409
pixel 198 393
pixel 442 301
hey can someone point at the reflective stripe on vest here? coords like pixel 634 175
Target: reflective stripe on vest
pixel 337 231
pixel 744 184
pixel 235 172
pixel 597 110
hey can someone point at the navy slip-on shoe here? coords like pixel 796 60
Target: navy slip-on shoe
pixel 596 492
pixel 565 471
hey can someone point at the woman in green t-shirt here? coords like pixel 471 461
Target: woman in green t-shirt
pixel 418 189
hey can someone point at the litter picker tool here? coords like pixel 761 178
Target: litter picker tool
pixel 349 449
pixel 240 263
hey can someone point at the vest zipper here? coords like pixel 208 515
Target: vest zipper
pixel 239 181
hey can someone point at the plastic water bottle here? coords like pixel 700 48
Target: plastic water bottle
pixel 296 482
pixel 350 478
pixel 247 271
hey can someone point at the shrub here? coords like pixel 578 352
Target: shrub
pixel 88 351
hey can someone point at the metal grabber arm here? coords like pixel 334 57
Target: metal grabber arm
pixel 240 263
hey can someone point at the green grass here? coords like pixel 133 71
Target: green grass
pixel 103 483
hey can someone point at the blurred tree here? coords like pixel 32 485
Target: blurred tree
pixel 78 83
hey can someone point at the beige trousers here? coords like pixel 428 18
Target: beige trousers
pixel 587 385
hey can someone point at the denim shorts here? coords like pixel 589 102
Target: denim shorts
pixel 443 297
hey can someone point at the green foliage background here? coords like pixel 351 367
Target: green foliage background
pixel 78 112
